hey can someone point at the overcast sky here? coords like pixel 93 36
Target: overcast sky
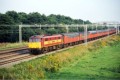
pixel 93 10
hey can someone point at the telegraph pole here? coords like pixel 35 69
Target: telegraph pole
pixel 85 34
pixel 67 28
pixel 108 29
pixel 20 33
pixel 96 29
pixel 40 26
pixel 116 29
pixel 77 27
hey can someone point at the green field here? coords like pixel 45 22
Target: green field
pixel 97 60
pixel 102 64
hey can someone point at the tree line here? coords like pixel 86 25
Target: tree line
pixel 11 18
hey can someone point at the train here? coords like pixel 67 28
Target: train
pixel 44 43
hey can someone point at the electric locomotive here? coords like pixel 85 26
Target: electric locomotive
pixel 40 44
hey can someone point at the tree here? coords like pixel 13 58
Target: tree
pixel 14 16
pixel 87 22
pixel 78 21
pixel 52 19
pixel 44 19
pixel 34 18
pixel 22 17
pixel 51 31
pixel 5 19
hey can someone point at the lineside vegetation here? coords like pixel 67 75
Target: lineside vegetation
pixel 5 46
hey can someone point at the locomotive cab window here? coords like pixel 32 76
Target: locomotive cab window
pixel 34 40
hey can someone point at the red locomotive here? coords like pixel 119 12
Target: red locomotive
pixel 40 44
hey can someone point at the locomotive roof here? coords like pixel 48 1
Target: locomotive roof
pixel 68 34
pixel 43 36
pixel 37 36
pixel 52 36
pixel 94 31
pixel 71 34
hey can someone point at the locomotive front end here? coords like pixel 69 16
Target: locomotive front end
pixel 34 44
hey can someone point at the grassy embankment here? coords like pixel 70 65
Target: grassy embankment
pixel 100 59
pixel 4 46
pixel 102 64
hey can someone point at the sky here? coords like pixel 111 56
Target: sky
pixel 93 10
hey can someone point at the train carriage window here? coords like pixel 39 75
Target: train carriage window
pixel 46 39
pixel 52 38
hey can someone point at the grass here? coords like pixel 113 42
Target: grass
pixel 102 64
pixel 4 46
pixel 99 59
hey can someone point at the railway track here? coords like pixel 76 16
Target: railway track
pixel 9 59
pixel 15 59
pixel 13 55
pixel 12 50
pixel 10 55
